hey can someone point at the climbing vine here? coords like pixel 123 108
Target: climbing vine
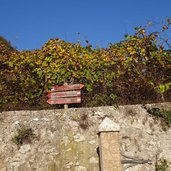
pixel 135 70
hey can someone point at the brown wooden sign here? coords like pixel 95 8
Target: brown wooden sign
pixel 67 87
pixel 55 95
pixel 69 100
pixel 66 94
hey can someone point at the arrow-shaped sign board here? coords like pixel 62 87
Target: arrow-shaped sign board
pixel 59 94
pixel 66 94
pixel 67 87
pixel 69 100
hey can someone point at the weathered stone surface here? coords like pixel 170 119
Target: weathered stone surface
pixel 25 148
pixel 66 141
pixel 108 125
pixel 78 137
pixel 81 168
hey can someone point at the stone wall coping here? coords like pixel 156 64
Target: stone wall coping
pixel 108 125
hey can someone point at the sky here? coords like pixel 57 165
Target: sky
pixel 29 24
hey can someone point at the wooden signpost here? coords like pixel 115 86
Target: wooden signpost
pixel 66 94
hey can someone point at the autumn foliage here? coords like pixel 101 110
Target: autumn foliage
pixel 135 70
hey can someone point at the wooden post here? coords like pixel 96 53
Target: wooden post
pixel 110 159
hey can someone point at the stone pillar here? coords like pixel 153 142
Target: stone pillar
pixel 110 159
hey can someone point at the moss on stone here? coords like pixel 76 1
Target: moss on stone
pixel 75 152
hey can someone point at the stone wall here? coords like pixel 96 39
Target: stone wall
pixel 67 140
